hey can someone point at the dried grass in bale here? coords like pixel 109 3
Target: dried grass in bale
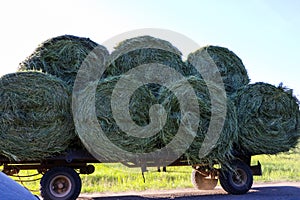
pixel 128 55
pixel 144 50
pixel 61 56
pixel 221 151
pixel 140 102
pixel 35 118
pixel 268 119
pixel 230 66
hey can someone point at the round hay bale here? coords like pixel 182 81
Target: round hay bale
pixel 141 100
pixel 144 50
pixel 60 56
pixel 268 119
pixel 102 145
pixel 230 66
pixel 220 150
pixel 36 119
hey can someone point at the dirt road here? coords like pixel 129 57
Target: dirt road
pixel 274 191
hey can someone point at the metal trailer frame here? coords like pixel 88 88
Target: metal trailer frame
pixel 60 174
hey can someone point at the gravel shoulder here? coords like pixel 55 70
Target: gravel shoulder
pixel 266 191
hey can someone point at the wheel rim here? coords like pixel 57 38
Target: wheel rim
pixel 60 186
pixel 239 177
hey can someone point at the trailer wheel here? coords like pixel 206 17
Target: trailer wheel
pixel 237 181
pixel 201 182
pixel 60 183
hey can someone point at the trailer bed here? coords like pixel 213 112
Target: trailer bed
pixel 60 174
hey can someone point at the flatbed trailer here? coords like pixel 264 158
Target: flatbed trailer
pixel 61 181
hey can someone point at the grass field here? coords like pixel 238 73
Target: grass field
pixel 281 167
pixel 116 177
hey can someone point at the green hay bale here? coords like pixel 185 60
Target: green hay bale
pixel 60 56
pixel 229 65
pixel 35 118
pixel 221 151
pixel 144 50
pixel 268 119
pixel 128 55
pixel 140 103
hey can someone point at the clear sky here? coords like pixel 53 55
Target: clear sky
pixel 265 34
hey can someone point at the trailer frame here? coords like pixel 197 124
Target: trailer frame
pixel 60 174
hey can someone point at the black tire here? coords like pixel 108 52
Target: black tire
pixel 60 183
pixel 239 180
pixel 201 182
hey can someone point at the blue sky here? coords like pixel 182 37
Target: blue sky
pixel 263 33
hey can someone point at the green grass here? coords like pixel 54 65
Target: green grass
pixel 117 177
pixel 281 167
